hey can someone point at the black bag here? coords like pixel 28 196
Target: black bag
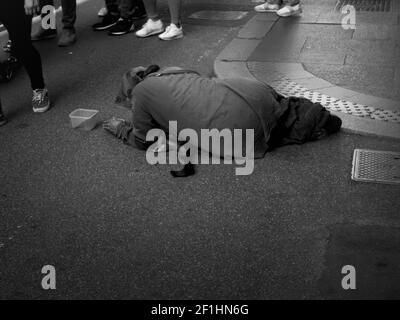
pixel 8 63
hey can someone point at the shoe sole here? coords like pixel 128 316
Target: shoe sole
pixel 105 27
pixel 267 10
pixel 174 38
pixel 150 34
pixel 42 110
pixel 121 33
pixel 294 13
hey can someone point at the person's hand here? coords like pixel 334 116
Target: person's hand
pixel 112 125
pixel 31 7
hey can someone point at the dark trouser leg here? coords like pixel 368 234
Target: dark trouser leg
pixel 69 13
pixel 151 9
pixel 113 6
pixel 19 25
pixel 128 7
pixel 3 119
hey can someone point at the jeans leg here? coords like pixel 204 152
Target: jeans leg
pixel 128 7
pixel 274 2
pixel 151 9
pixel 69 13
pixel 19 26
pixel 112 6
pixel 175 11
pixel 125 8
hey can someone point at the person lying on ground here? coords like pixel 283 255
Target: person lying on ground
pixel 157 97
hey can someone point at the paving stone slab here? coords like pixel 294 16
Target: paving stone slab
pixel 231 69
pixel 353 46
pixel 239 50
pixel 322 57
pixel 353 74
pixel 377 32
pixel 387 59
pixel 255 29
pixel 266 16
pixel 293 71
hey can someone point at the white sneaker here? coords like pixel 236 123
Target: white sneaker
pixel 171 33
pixel 150 28
pixel 266 7
pixel 288 11
pixel 103 12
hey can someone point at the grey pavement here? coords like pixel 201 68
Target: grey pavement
pixel 351 71
pixel 117 228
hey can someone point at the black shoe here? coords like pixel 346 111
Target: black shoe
pixel 138 14
pixel 3 120
pixel 44 34
pixel 108 21
pixel 123 26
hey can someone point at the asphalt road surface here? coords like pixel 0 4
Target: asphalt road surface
pixel 115 227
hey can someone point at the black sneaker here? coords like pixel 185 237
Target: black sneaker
pixel 123 26
pixel 108 21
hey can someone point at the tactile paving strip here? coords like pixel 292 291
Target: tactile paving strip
pixel 376 166
pixel 287 88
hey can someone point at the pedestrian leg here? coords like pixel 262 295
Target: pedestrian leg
pixel 68 33
pixel 153 25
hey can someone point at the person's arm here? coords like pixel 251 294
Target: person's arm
pixel 125 131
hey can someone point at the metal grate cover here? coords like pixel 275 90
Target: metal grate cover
pixel 366 5
pixel 376 166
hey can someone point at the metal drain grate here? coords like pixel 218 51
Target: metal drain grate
pixel 376 166
pixel 287 88
pixel 366 5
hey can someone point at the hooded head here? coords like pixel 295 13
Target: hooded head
pixel 130 80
